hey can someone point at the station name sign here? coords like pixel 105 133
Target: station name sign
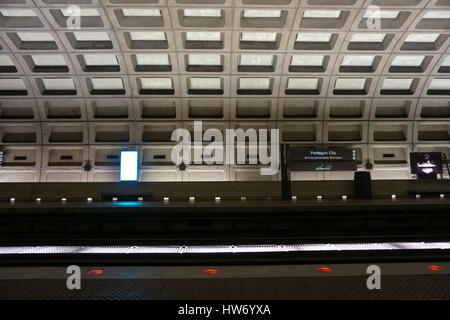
pixel 309 159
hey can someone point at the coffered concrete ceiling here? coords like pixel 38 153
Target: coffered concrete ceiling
pixel 126 73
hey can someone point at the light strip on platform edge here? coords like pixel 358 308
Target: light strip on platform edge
pixel 215 249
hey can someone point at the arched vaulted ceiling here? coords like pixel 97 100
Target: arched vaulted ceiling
pixel 324 72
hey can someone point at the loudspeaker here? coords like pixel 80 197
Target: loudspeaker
pixel 363 185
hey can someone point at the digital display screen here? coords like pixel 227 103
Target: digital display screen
pixel 426 163
pixel 308 159
pixel 128 166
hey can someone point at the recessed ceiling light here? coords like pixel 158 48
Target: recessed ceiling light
pixel 203 36
pixel 92 36
pixel 204 59
pixel 12 84
pixel 259 36
pixel 254 83
pixel 141 12
pixel 17 13
pixel 384 14
pixel 100 59
pixel 440 84
pixel 303 84
pixel 147 35
pixel 350 83
pixel 446 62
pixel 83 12
pixel 397 84
pixel 314 37
pixel 157 86
pixel 350 60
pixel 48 60
pixel 307 60
pixel 368 37
pixel 206 13
pixel 334 14
pixel 408 61
pixel 152 59
pixel 6 61
pixel 437 15
pixel 262 14
pixel 256 59
pixel 35 36
pixel 422 37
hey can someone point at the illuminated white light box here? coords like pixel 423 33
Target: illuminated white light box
pixel 128 166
